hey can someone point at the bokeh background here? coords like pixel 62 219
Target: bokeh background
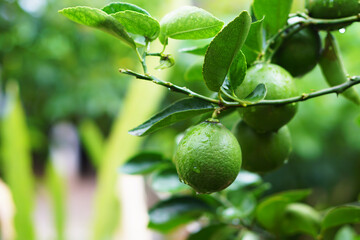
pixel 65 111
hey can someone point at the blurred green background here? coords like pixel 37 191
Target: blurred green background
pixel 67 72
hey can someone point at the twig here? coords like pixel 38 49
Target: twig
pixel 226 105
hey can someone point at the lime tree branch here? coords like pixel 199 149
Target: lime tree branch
pixel 305 96
pixel 240 103
pixel 170 86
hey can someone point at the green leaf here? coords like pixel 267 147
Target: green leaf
pixel 247 235
pixel 227 87
pixel 269 211
pixel 214 232
pixel 189 22
pixel 194 72
pixel 167 180
pixel 96 18
pixel 16 162
pixel 341 215
pixel 244 203
pixel 93 141
pixel 195 50
pixel 300 218
pixel 180 110
pixel 56 186
pixel 276 13
pixel 138 23
pixel 257 94
pixel 207 232
pixel 345 233
pixel 122 6
pixel 143 163
pixel 237 70
pixel 223 49
pixel 244 179
pixel 171 213
pixel 253 45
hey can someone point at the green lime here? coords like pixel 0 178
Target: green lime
pixel 262 152
pixel 208 158
pixel 280 85
pixel 300 52
pixel 332 9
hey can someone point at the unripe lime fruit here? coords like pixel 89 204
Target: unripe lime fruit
pixel 332 9
pixel 300 52
pixel 280 85
pixel 262 152
pixel 208 158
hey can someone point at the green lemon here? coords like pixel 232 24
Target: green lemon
pixel 280 85
pixel 332 9
pixel 262 152
pixel 208 158
pixel 300 52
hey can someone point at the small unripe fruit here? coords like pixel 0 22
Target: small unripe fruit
pixel 262 152
pixel 208 158
pixel 300 52
pixel 280 85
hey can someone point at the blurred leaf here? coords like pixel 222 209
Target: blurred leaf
pixel 244 204
pixel 195 50
pixel 300 218
pixel 345 233
pixel 244 179
pixel 247 235
pixel 178 111
pixel 93 141
pixel 207 233
pixel 194 72
pixel 118 148
pixel 16 160
pixel 276 13
pixel 189 22
pixel 143 163
pixel 56 186
pixel 138 23
pixel 165 62
pixel 96 18
pixel 237 70
pixel 341 215
pixel 261 189
pixel 167 180
pixel 257 94
pixel 123 6
pixel 171 213
pixel 214 232
pixel 223 49
pixel 227 87
pixel 253 45
pixel 269 211
pixel 333 69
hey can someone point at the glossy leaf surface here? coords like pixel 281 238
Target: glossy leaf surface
pixel 223 49
pixel 180 110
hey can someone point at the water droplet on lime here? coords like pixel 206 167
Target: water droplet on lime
pixel 195 169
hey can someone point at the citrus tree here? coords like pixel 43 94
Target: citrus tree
pixel 250 64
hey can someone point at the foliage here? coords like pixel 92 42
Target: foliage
pixel 218 61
